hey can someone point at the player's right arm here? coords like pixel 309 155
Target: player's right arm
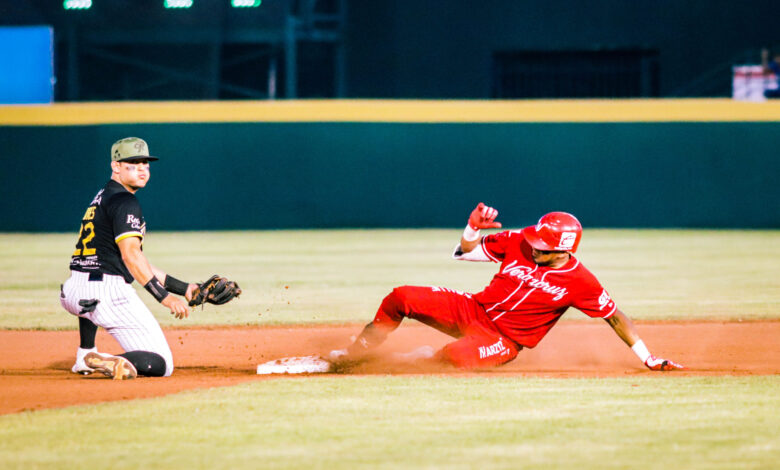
pixel 624 328
pixel 481 217
pixel 141 269
pixel 593 300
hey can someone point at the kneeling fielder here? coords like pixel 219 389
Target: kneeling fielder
pixel 108 257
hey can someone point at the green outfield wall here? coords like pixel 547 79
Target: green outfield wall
pixel 410 164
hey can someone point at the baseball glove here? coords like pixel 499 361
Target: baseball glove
pixel 216 290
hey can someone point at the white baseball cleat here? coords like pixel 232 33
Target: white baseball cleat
pixel 81 368
pixel 116 367
pixel 337 354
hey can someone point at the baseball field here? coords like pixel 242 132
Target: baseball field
pixel 707 299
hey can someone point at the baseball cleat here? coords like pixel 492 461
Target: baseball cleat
pixel 116 367
pixel 80 368
pixel 338 354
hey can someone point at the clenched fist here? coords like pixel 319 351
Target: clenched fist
pixel 483 217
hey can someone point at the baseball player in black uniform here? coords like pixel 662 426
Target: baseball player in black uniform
pixel 107 258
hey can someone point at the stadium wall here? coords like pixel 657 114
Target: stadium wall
pixel 328 164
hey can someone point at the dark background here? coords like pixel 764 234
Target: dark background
pixel 390 174
pixel 138 50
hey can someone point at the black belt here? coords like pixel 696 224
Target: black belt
pixel 97 276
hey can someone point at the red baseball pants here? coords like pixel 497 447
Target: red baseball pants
pixel 457 314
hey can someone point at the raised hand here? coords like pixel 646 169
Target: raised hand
pixel 483 217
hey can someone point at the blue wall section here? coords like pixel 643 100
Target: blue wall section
pixel 312 175
pixel 26 64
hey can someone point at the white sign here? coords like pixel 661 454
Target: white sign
pixel 749 83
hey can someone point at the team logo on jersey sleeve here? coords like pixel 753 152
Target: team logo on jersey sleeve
pixel 133 221
pixel 604 300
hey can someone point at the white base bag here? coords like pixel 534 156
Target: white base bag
pixel 295 365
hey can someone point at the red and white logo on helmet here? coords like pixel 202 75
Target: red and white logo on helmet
pixel 556 231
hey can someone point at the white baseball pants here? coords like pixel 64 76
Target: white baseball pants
pixel 120 312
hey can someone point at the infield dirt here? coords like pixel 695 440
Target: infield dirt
pixel 35 365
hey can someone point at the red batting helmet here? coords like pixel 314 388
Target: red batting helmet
pixel 556 231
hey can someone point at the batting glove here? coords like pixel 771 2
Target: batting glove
pixel 483 217
pixel 656 363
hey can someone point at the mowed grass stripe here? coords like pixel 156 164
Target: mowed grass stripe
pixel 658 421
pixel 340 276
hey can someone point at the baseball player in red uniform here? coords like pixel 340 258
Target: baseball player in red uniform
pixel 538 281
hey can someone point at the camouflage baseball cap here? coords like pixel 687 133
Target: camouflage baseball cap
pixel 130 148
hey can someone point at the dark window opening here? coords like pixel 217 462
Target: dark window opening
pixel 624 73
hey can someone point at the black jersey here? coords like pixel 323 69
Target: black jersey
pixel 114 214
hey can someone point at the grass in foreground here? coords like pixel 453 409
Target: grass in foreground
pixel 652 422
pixel 322 276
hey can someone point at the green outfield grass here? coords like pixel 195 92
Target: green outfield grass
pixel 653 422
pixel 658 421
pixel 338 276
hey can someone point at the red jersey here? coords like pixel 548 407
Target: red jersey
pixel 525 300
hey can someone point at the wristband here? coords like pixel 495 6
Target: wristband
pixel 174 285
pixel 470 235
pixel 641 351
pixel 156 289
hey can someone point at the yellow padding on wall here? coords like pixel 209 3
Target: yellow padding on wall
pixel 412 111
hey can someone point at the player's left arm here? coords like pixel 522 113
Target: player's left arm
pixel 624 328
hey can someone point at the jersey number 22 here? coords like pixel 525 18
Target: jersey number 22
pixel 86 234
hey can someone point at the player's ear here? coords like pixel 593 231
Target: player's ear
pixel 115 167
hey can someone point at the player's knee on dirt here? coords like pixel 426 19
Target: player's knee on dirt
pixel 471 352
pixel 147 363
